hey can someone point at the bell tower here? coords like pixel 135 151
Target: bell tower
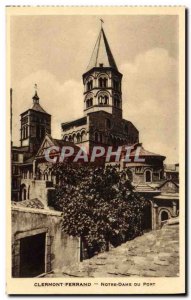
pixel 35 123
pixel 102 80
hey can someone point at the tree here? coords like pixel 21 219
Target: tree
pixel 98 204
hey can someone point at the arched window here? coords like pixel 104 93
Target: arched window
pixel 102 82
pixel 89 102
pixel 83 136
pixel 70 138
pixel 148 176
pixel 66 138
pixel 89 85
pixel 74 138
pixel 164 216
pixel 78 138
pixel 105 82
pixel 103 99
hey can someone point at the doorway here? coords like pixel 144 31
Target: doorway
pixel 32 255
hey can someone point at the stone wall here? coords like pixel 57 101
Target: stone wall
pixel 37 189
pixel 61 249
pixel 97 122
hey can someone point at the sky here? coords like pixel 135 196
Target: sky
pixel 54 51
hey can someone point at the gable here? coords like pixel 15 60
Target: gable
pixel 47 142
pixel 169 186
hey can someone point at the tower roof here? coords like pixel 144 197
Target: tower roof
pixel 36 106
pixel 101 55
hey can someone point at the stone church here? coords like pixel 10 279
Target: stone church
pixel 33 181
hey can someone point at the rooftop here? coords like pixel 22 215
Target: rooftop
pixel 77 122
pixel 167 196
pixel 143 152
pixel 33 203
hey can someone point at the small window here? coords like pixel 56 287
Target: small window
pixel 148 176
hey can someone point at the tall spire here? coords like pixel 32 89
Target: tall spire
pixel 102 55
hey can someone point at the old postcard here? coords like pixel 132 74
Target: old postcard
pixel 96 136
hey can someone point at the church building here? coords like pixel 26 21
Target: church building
pixel 102 123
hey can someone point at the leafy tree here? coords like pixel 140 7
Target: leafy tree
pixel 98 204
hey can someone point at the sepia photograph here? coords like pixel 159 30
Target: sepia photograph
pixel 96 139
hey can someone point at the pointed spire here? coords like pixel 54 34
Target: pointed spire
pixel 102 56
